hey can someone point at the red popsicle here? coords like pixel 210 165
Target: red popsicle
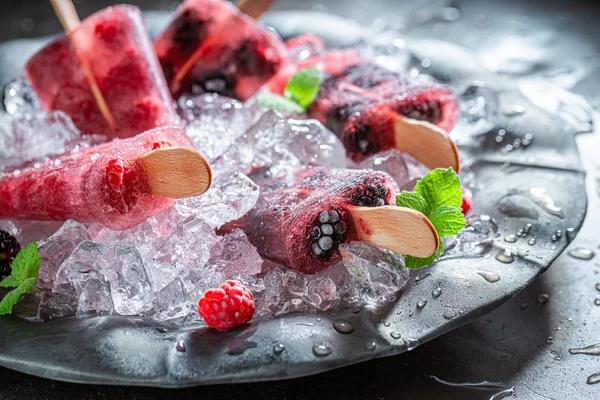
pixel 115 183
pixel 212 45
pixel 114 48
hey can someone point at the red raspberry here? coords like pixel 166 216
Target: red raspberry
pixel 467 201
pixel 229 306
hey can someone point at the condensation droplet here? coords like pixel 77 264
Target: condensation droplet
pixel 421 304
pixel 524 306
pixel 592 379
pixel 505 256
pixel 386 323
pixel 531 241
pixel 512 110
pixel 542 299
pixel 343 328
pixel 395 335
pixel 582 253
pixel 437 292
pixel 549 340
pixel 489 276
pixel 370 346
pixel 180 346
pixel 278 348
pixel 570 234
pixel 510 238
pixel 321 350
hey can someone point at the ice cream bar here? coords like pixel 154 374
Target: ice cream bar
pixel 106 184
pixel 210 44
pixel 360 101
pixel 113 46
pixel 301 218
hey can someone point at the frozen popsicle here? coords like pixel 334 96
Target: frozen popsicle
pixel 301 219
pixel 105 75
pixel 118 184
pixel 212 45
pixel 374 109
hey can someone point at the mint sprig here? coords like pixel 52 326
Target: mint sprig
pixel 439 197
pixel 300 92
pixel 24 276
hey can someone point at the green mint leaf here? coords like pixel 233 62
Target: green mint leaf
pixel 303 87
pixel 276 102
pixel 448 221
pixel 412 200
pixel 9 301
pixel 414 262
pixel 25 265
pixel 440 187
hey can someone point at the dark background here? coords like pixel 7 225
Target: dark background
pixel 510 344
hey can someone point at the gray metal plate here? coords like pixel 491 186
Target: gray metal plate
pixel 130 352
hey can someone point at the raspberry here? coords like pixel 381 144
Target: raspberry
pixel 9 247
pixel 467 201
pixel 229 306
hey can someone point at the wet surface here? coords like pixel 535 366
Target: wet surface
pixel 508 347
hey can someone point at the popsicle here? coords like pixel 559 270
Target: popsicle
pixel 118 184
pixel 301 219
pixel 212 45
pixel 373 109
pixel 105 75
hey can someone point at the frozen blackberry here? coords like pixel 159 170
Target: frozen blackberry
pixel 327 234
pixel 370 196
pixel 190 30
pixel 9 248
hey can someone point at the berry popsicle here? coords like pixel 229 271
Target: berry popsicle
pixel 116 183
pixel 374 109
pixel 105 75
pixel 213 45
pixel 301 219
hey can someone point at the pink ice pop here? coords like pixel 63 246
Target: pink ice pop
pixel 106 184
pixel 114 47
pixel 212 45
pixel 301 219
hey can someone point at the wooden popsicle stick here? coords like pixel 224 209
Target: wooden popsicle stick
pixel 67 15
pixel 426 142
pixel 255 8
pixel 403 230
pixel 177 172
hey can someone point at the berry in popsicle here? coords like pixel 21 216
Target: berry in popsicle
pixel 301 219
pixel 114 48
pixel 112 183
pixel 212 45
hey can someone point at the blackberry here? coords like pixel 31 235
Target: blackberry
pixel 9 248
pixel 328 233
pixel 370 196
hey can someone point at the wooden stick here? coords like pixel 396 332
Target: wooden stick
pixel 67 15
pixel 403 230
pixel 177 172
pixel 255 8
pixel 426 142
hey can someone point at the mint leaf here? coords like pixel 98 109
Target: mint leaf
pixel 303 87
pixel 276 102
pixel 412 200
pixel 448 221
pixel 9 301
pixel 414 262
pixel 440 187
pixel 24 276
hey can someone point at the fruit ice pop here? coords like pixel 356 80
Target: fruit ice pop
pixel 212 45
pixel 301 219
pixel 360 101
pixel 107 184
pixel 113 46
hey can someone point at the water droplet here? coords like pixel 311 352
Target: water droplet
pixel 419 278
pixel 549 340
pixel 386 323
pixel 489 276
pixel 343 327
pixel 582 253
pixel 593 350
pixel 318 319
pixel 510 238
pixel 512 110
pixel 555 356
pixel 437 292
pixel 162 330
pixel 421 304
pixel 410 343
pixel 505 256
pixel 524 306
pixel 396 335
pixel 597 302
pixel 554 238
pixel 278 348
pixel 236 349
pixel 570 234
pixel 410 313
pixel 527 228
pixel 531 241
pixel 542 299
pixel 598 286
pixel 523 253
pixel 558 233
pixel 595 378
pixel 321 350
pixel 520 233
pixel 542 199
pixel 370 346
pixel 180 346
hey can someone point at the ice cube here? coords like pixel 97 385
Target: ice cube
pixel 213 122
pixel 236 255
pixel 475 240
pixel 20 98
pixel 280 144
pixel 479 110
pixel 30 138
pixel 95 299
pixel 229 198
pixel 170 303
pixel 402 167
